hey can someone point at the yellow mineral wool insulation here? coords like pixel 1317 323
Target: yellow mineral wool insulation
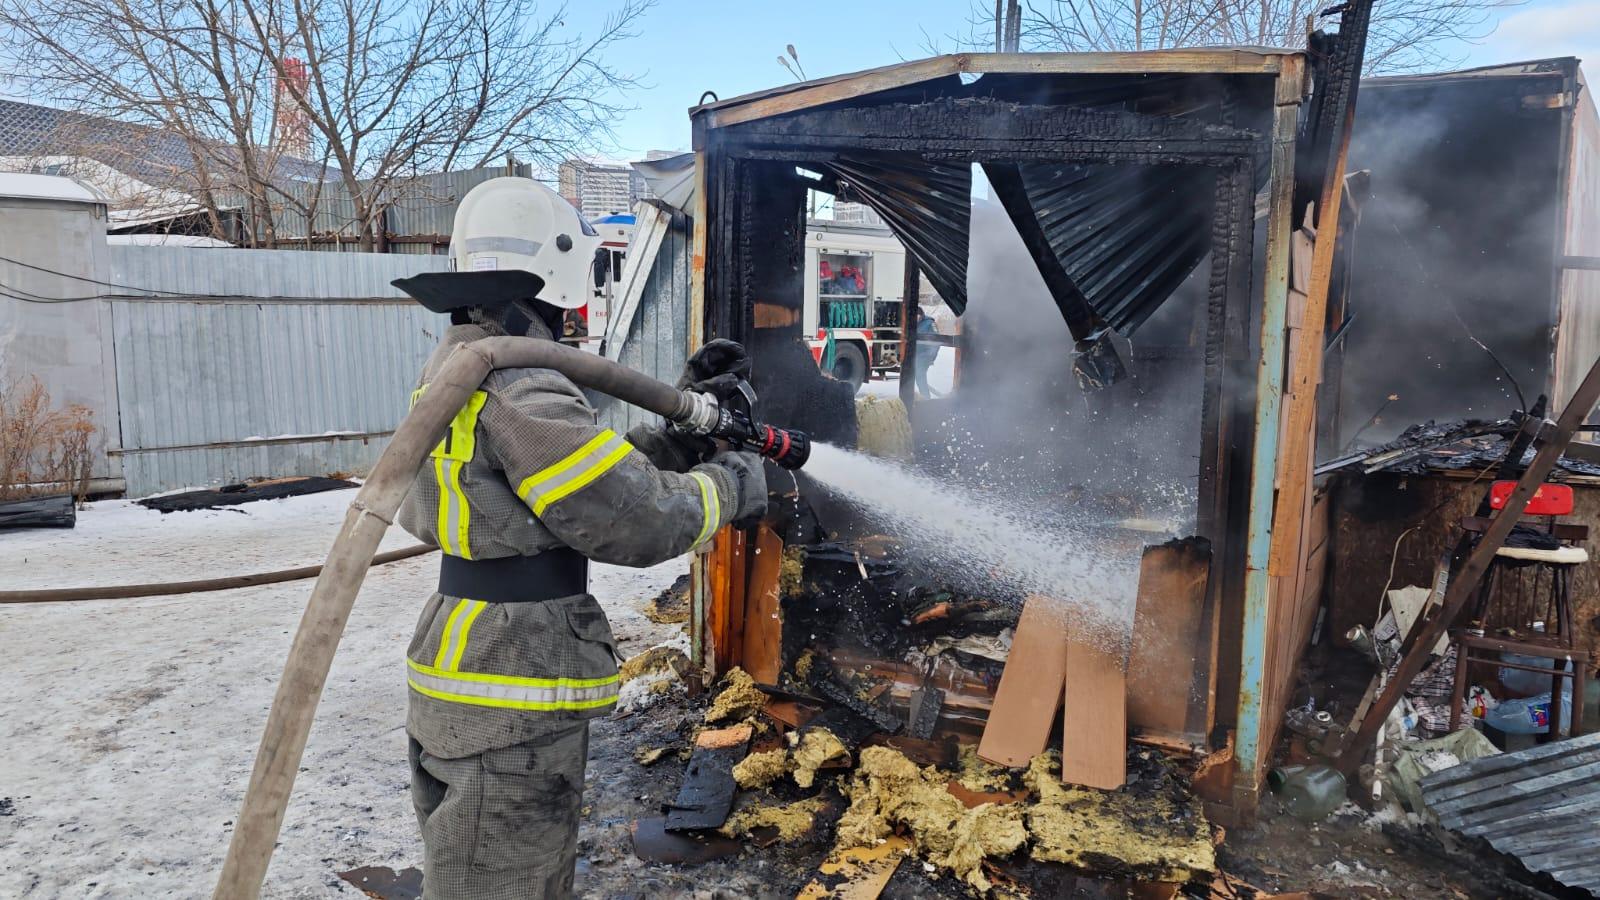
pixel 761 769
pixel 817 748
pixel 661 659
pixel 980 776
pixel 882 427
pixel 888 790
pixel 791 570
pixel 739 700
pixel 1151 836
pixel 793 820
pixel 802 666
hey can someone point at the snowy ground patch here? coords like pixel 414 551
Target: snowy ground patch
pixel 131 725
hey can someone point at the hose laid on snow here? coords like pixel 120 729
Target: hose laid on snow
pixel 371 513
pixel 165 588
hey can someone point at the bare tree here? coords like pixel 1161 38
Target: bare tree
pixel 1405 35
pixel 372 91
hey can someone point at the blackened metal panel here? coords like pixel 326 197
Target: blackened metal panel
pixel 929 206
pixel 1125 235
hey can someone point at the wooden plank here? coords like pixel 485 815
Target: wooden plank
pixel 1030 689
pixel 1094 751
pixel 640 261
pixel 725 616
pixel 763 627
pixel 1169 651
pixel 848 87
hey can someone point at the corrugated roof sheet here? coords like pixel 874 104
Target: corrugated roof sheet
pixel 929 206
pixel 1539 805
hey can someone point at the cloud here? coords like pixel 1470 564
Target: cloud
pixel 1543 30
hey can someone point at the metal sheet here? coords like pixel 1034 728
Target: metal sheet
pixel 1538 805
pixel 1127 235
pixel 186 272
pixel 229 374
pixel 423 206
pixel 929 206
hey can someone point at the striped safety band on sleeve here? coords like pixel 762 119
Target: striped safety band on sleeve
pixel 710 507
pixel 512 692
pixel 577 470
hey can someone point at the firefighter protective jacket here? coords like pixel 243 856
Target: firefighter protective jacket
pixel 523 469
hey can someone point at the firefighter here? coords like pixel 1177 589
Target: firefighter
pixel 512 656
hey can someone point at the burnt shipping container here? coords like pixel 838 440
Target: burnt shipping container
pixel 1482 225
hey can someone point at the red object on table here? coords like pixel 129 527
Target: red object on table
pixel 1548 500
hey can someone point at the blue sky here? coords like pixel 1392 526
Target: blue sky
pixel 691 46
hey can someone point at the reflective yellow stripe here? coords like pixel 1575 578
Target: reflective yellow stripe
pixel 575 471
pixel 462 510
pixel 512 692
pixel 452 454
pixel 442 527
pixel 508 703
pixel 446 636
pixel 710 506
pixel 466 629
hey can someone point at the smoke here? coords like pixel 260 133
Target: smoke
pixel 1451 270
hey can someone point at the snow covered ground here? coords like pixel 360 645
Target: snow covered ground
pixel 130 726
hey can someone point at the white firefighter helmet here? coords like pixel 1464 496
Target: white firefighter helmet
pixel 520 224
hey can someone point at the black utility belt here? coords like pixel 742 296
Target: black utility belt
pixel 559 572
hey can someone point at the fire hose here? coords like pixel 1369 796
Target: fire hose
pixel 305 672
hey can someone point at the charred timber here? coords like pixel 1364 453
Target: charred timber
pixel 989 124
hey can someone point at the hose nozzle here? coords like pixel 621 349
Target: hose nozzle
pixel 731 419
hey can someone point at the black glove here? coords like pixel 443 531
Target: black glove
pixel 719 357
pixel 752 480
pixel 671 449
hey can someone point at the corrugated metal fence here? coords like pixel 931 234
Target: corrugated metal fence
pixel 259 363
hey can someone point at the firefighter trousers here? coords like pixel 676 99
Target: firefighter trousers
pixel 502 825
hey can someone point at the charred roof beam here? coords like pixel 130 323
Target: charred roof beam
pixel 980 126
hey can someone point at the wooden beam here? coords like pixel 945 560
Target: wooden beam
pixel 848 87
pixel 1030 689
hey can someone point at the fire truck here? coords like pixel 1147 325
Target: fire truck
pixel 855 279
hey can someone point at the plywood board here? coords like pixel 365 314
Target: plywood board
pixel 1170 652
pixel 1094 750
pixel 763 625
pixel 1025 704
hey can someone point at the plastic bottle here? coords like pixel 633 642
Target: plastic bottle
pixel 1309 792
pixel 1529 715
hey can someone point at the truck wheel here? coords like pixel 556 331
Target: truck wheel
pixel 849 364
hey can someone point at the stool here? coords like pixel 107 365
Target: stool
pixel 1467 643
